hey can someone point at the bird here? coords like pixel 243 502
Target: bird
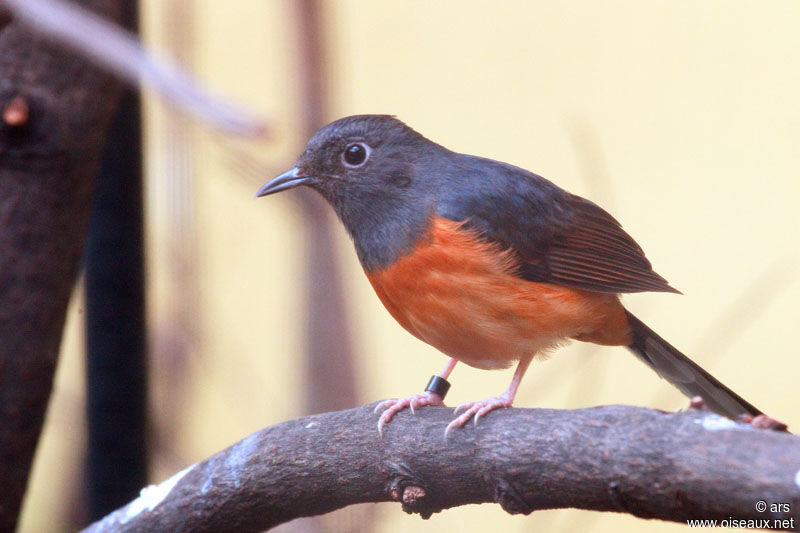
pixel 487 262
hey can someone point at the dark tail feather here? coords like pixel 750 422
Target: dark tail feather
pixel 684 373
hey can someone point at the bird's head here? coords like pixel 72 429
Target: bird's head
pixel 376 173
pixel 361 155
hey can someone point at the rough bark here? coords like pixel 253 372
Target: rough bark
pixel 54 111
pixel 651 464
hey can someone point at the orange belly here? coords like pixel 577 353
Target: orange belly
pixel 460 295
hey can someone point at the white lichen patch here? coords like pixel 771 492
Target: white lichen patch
pixel 238 458
pixel 797 478
pixel 152 495
pixel 714 422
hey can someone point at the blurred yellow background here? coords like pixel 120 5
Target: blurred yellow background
pixel 681 118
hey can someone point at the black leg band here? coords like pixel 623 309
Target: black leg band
pixel 438 385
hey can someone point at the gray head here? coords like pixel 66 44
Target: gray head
pixel 368 168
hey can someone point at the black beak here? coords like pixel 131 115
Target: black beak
pixel 288 180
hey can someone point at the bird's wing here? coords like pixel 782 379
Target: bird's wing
pixel 558 237
pixel 593 252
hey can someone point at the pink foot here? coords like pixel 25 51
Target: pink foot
pixel 478 409
pixel 392 407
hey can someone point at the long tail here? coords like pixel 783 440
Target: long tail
pixel 684 373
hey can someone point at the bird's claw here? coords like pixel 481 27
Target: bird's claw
pixel 394 406
pixel 476 410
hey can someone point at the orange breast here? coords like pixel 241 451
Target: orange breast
pixel 459 294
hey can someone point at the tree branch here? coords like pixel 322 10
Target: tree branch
pixel 651 464
pixel 54 109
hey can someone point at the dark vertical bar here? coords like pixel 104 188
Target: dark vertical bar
pixel 115 325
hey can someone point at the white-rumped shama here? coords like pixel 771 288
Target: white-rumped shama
pixel 485 261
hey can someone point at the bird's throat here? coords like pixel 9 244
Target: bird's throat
pixel 383 228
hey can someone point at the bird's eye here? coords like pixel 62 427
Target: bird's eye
pixel 355 154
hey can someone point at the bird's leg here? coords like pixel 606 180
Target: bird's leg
pixel 429 397
pixel 483 407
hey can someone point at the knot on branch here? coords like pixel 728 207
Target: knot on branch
pixel 412 494
pixel 510 498
pixel 408 489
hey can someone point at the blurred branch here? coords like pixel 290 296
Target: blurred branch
pixel 55 109
pixel 330 361
pixel 121 53
pixel 671 466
